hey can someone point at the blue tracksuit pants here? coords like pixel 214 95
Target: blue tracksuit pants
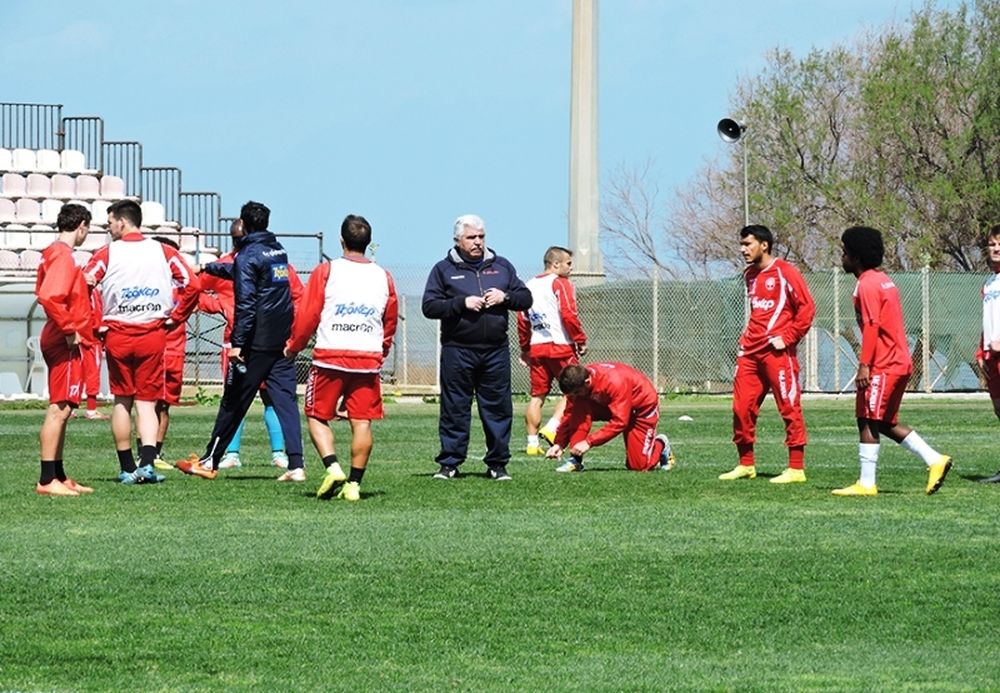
pixel 485 374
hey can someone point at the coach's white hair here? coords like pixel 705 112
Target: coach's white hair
pixel 470 220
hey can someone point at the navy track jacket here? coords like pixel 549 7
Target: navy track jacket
pixel 264 308
pixel 453 279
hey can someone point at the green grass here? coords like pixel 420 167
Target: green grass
pixel 607 580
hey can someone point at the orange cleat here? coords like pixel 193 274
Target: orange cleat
pixel 192 466
pixel 54 488
pixel 79 488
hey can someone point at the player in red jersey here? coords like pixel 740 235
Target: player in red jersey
pixel 627 400
pixel 350 305
pixel 988 353
pixel 137 277
pixel 63 294
pixel 781 312
pixel 884 365
pixel 551 338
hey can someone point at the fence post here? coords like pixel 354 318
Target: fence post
pixel 405 344
pixel 836 331
pixel 925 325
pixel 656 329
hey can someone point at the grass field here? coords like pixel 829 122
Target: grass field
pixel 607 580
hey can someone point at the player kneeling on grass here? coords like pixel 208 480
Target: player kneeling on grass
pixel 350 305
pixel 627 400
pixel 884 364
pixel 63 293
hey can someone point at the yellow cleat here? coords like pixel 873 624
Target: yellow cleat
pixel 856 489
pixel 351 491
pixel 331 483
pixel 936 474
pixel 548 435
pixel 740 471
pixel 790 476
pixel 533 451
pixel 160 463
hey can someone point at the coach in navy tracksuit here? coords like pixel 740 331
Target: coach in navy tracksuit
pixel 263 322
pixel 470 292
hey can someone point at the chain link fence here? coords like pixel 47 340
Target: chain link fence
pixel 683 334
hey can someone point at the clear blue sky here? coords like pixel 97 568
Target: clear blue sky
pixel 409 112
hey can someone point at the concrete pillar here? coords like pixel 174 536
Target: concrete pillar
pixel 584 196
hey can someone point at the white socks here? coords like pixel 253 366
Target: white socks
pixel 533 441
pixel 868 454
pixel 915 444
pixel 552 425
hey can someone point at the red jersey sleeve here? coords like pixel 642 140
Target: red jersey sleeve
pixel 390 317
pixel 185 281
pixel 803 306
pixel 620 406
pixel 523 331
pixel 55 289
pixel 308 308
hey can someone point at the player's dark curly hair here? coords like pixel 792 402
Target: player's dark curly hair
pixel 864 244
pixel 71 216
pixel 572 377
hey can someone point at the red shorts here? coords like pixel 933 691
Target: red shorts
pixel 881 399
pixel 642 452
pixel 135 362
pixel 173 378
pixel 544 369
pixel 362 394
pixel 92 368
pixel 991 369
pixel 65 367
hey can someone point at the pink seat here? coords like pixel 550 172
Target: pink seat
pixel 8 212
pixel 28 211
pixel 14 185
pixel 42 236
pixel 6 159
pixel 99 213
pixel 112 188
pixel 30 259
pixel 38 186
pixel 88 187
pixel 9 260
pixel 189 238
pixel 81 257
pixel 63 187
pixel 95 239
pixel 48 161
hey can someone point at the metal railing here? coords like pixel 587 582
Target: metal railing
pixel 85 134
pixel 31 126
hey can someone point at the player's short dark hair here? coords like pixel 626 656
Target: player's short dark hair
pixel 71 216
pixel 864 244
pixel 761 233
pixel 167 241
pixel 572 378
pixel 129 210
pixel 356 233
pixel 255 216
pixel 995 231
pixel 554 254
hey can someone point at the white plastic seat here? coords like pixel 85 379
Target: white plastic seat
pixel 189 238
pixel 42 236
pixel 30 259
pixel 48 161
pixel 99 213
pixel 6 159
pixel 81 258
pixel 88 187
pixel 205 257
pixel 95 239
pixel 73 161
pixel 24 160
pixel 63 187
pixel 153 213
pixel 14 185
pixel 82 203
pixel 50 210
pixel 9 260
pixel 112 187
pixel 8 212
pixel 38 186
pixel 28 211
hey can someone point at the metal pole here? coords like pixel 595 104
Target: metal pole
pixel 656 330
pixel 925 326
